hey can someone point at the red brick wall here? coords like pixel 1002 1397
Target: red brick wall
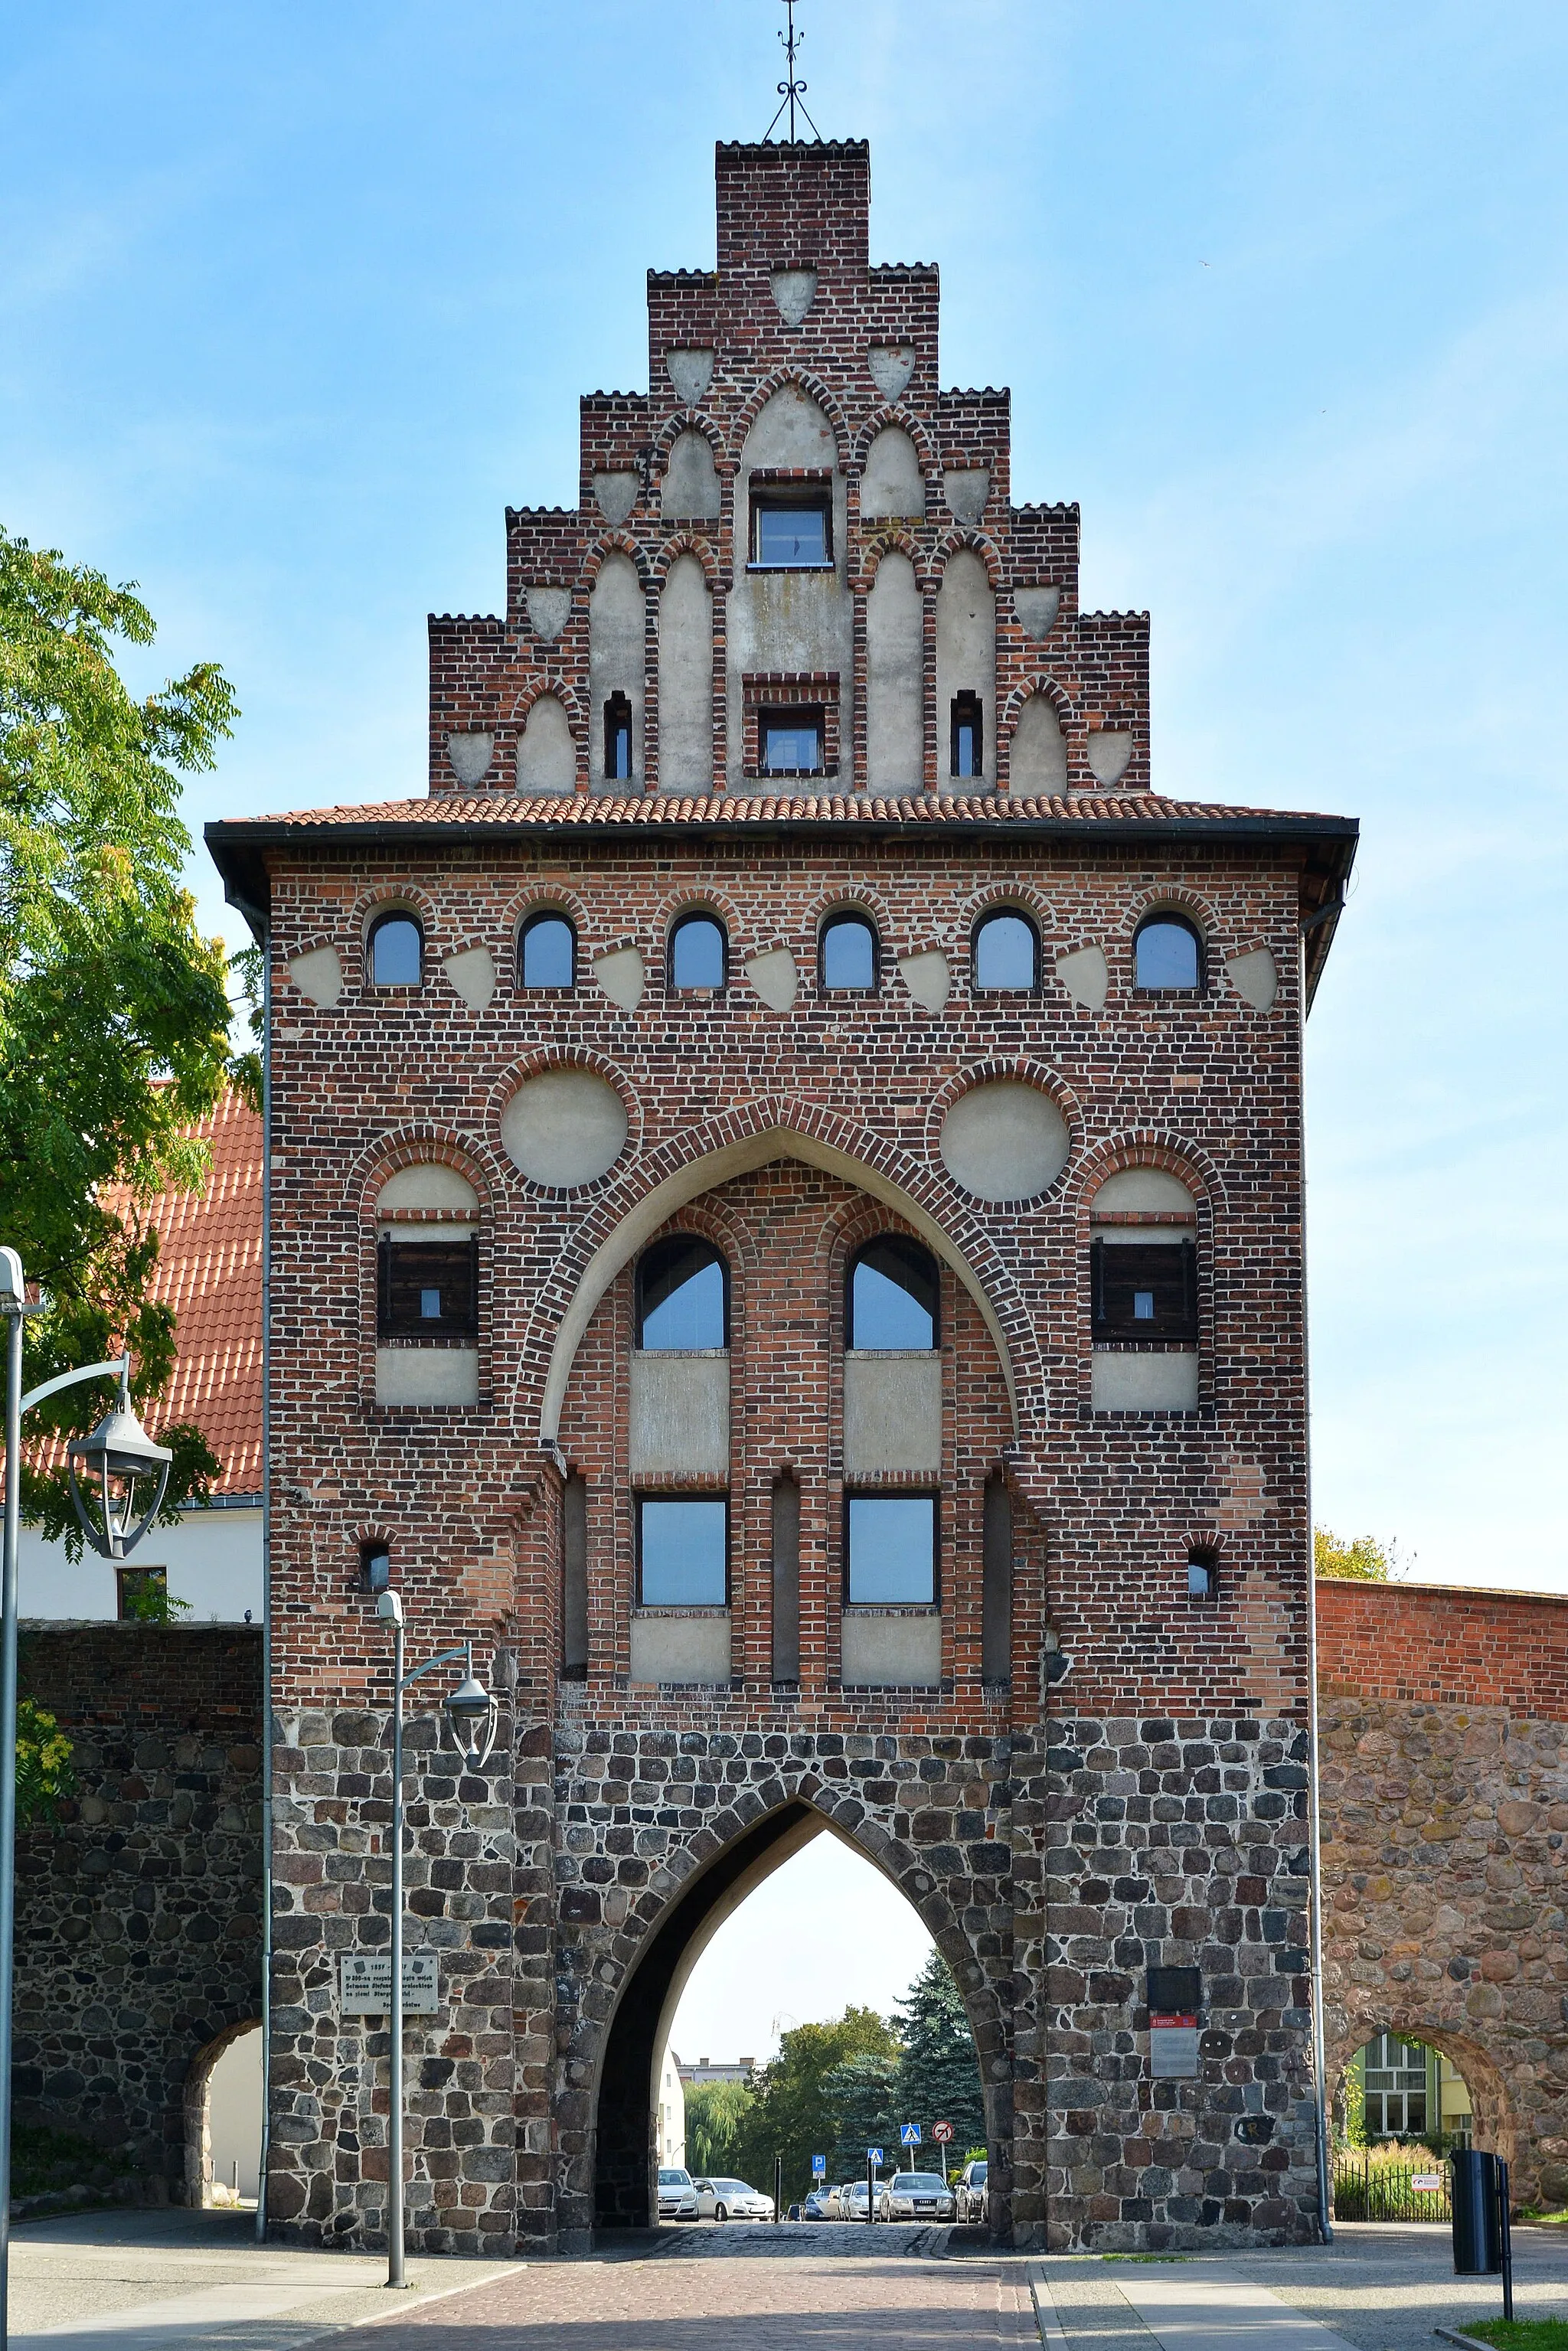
pixel 1438 1645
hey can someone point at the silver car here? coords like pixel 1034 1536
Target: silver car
pixel 852 2201
pixel 972 2190
pixel 920 2196
pixel 678 2197
pixel 731 2200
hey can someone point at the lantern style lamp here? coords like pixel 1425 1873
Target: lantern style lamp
pixel 473 1714
pixel 124 1476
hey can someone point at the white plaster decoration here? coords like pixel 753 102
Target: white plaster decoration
pixel 892 1411
pixel 1162 1382
pixel 1038 762
pixel 691 372
pixel 1254 978
pixel 564 1127
pixel 1142 1191
pixel 685 676
pixel 1036 609
pixel 690 490
pixel 615 495
pixel 318 976
pixel 1110 754
pixel 891 365
pixel 427 1376
pixel 892 486
pixel 1004 1141
pixel 775 978
pixel 966 489
pixel 794 290
pixel 621 977
pixel 549 610
pixel 1086 976
pixel 470 756
pixel 473 975
pixel 927 977
pixel 682 1645
pixel 546 756
pixel 889 1648
pixel 429 1185
pixel 678 1423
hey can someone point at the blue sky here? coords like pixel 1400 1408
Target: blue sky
pixel 294 300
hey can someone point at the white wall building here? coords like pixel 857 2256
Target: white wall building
pixel 672 2111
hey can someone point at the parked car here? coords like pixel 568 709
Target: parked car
pixel 852 2201
pixel 819 2204
pixel 678 2197
pixel 920 2196
pixel 971 2192
pixel 731 2200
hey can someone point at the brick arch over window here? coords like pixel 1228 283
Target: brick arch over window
pixel 798 379
pixel 734 1144
pixel 901 419
pixel 645 1967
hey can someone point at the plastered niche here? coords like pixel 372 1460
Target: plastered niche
pixel 546 757
pixel 965 658
pixel 894 667
pixel 685 679
pixel 615 661
pixel 793 622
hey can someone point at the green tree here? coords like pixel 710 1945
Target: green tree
pixel 1363 1561
pixel 794 2115
pixel 114 1013
pixel 43 1773
pixel 863 2094
pixel 939 2071
pixel 715 2113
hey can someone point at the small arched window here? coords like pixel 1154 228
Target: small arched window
pixel 396 951
pixel 1168 954
pixel 967 732
pixel 617 739
pixel 682 1295
pixel 1007 953
pixel 548 952
pixel 697 951
pixel 892 1295
pixel 849 953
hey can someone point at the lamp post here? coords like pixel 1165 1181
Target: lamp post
pixel 117 1460
pixel 473 1713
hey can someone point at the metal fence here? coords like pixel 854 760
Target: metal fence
pixel 1414 2185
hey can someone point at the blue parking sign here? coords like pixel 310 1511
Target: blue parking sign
pixel 819 2167
pixel 909 2134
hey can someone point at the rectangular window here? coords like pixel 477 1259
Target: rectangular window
pixel 790 531
pixel 790 742
pixel 141 1592
pixel 1144 1289
pixel 968 746
pixel 427 1289
pixel 683 1550
pixel 891 1549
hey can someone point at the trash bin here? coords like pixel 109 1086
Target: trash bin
pixel 1477 2225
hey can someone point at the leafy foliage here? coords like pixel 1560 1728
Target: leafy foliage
pixel 794 2113
pixel 715 2116
pixel 147 1600
pixel 43 1773
pixel 1362 1561
pixel 938 2073
pixel 114 1013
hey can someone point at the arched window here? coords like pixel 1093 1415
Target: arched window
pixel 617 739
pixel 1007 953
pixel 396 951
pixel 1168 954
pixel 697 951
pixel 892 1295
pixel 548 952
pixel 849 953
pixel 682 1295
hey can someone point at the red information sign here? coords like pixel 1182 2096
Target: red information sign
pixel 941 2133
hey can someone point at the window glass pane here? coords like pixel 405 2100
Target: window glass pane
pixel 683 1547
pixel 1146 1289
pixel 791 535
pixel 893 1548
pixel 1168 956
pixel 1004 953
pixel 697 954
pixel 425 1289
pixel 892 1295
pixel 394 952
pixel 849 953
pixel 549 953
pixel 680 1294
pixel 792 747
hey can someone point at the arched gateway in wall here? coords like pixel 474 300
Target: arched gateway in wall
pixel 999 1571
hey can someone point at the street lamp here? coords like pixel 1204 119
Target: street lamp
pixel 122 1458
pixel 473 1715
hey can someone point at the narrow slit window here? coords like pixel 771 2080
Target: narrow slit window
pixel 617 740
pixel 969 747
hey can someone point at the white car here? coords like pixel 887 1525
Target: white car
pixel 852 2201
pixel 731 2200
pixel 920 2196
pixel 972 2190
pixel 677 2196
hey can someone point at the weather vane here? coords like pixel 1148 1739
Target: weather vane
pixel 792 93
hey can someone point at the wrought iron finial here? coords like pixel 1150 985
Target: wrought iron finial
pixel 792 93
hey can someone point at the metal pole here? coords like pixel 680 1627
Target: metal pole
pixel 1505 2231
pixel 778 2189
pixel 1314 1820
pixel 266 2152
pixel 8 1777
pixel 394 2119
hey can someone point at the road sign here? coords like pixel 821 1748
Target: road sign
pixel 909 2134
pixel 941 2133
pixel 874 2154
pixel 819 2167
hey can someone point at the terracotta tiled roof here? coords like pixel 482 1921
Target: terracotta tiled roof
pixel 209 1271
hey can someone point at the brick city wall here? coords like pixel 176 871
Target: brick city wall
pixel 138 1912
pixel 1444 1737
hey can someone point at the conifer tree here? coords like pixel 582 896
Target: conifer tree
pixel 939 2073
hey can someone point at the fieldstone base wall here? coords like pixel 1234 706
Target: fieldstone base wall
pixel 1179 1844
pixel 137 1912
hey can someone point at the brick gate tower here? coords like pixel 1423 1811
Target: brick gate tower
pixel 785 1202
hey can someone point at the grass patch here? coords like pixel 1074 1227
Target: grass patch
pixel 1538 2218
pixel 43 2159
pixel 1520 2333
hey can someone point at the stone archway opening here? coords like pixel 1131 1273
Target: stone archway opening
pixel 626 2133
pixel 223 2118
